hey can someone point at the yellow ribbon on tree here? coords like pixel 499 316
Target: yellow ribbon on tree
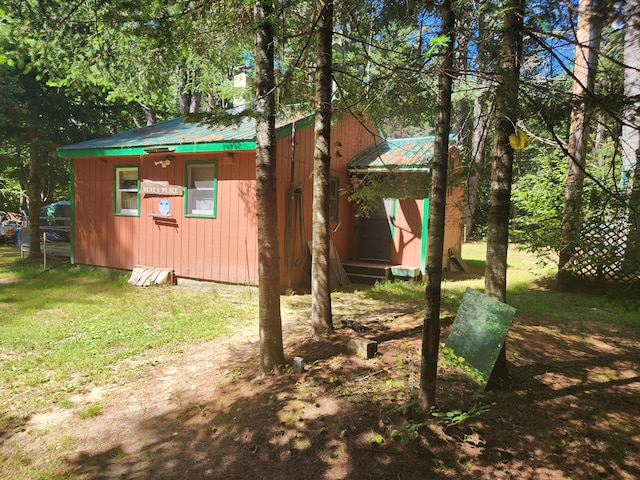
pixel 518 140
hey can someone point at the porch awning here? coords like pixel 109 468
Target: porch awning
pixel 395 155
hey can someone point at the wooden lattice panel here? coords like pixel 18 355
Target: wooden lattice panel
pixel 608 252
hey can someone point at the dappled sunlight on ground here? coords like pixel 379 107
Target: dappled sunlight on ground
pixel 570 411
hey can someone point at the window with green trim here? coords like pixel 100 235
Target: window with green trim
pixel 334 197
pixel 201 189
pixel 127 191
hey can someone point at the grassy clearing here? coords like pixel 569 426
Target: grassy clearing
pixel 67 331
pixel 67 328
pixel 527 291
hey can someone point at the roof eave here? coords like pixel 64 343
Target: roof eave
pixel 235 146
pixel 221 146
pixel 387 170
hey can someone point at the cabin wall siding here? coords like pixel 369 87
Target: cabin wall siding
pixel 202 248
pixel 407 232
pixel 408 229
pixel 353 137
pixel 224 248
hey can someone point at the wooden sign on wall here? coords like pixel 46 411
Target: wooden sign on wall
pixel 161 188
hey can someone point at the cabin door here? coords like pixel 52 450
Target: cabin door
pixel 374 238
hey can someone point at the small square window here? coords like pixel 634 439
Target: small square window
pixel 201 189
pixel 127 191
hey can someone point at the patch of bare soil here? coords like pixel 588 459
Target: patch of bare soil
pixel 571 411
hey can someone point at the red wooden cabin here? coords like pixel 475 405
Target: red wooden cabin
pixel 181 196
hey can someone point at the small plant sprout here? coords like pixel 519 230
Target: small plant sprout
pixel 455 417
pixel 91 411
pixel 407 432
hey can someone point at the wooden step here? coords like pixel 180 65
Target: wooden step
pixel 365 279
pixel 367 272
pixel 371 272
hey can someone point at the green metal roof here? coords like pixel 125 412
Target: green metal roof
pixel 395 154
pixel 178 136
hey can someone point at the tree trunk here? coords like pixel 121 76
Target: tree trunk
pixel 478 153
pixel 271 348
pixel 437 202
pixel 506 114
pixel 150 114
pixel 632 250
pixel 33 186
pixel 184 99
pixel 630 133
pixel 320 267
pixel 601 137
pixel 196 102
pixel 189 101
pixel 460 105
pixel 586 62
pixel 480 131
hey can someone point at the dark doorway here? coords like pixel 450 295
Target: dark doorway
pixel 374 239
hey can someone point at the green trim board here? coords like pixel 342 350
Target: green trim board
pixel 72 223
pixel 425 232
pixel 127 151
pixel 287 129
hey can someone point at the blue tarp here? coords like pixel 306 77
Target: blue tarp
pixel 55 221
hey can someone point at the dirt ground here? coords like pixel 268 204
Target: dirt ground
pixel 571 411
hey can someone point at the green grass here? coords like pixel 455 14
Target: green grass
pixel 529 289
pixel 66 328
pixel 91 411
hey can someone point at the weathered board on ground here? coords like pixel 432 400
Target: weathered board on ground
pixel 478 334
pixel 142 276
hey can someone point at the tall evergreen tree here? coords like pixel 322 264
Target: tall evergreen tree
pixel 631 131
pixel 320 267
pixel 35 119
pixel 437 203
pixel 33 183
pixel 271 347
pixel 585 65
pixel 506 114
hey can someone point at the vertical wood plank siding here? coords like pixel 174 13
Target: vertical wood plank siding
pixel 222 249
pixel 407 232
pixel 409 215
pixel 407 228
pixel 354 137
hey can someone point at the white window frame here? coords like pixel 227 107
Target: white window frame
pixel 200 191
pixel 124 188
